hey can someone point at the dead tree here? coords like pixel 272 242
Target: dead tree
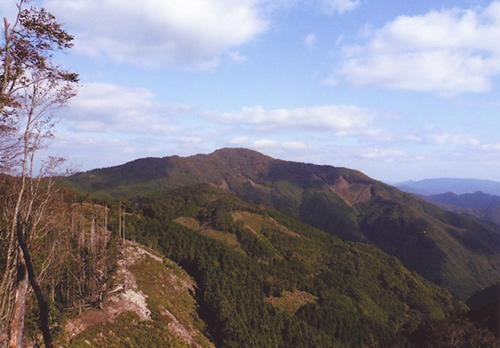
pixel 31 88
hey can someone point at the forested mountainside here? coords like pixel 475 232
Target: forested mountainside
pixel 485 308
pixel 264 279
pixel 479 204
pixel 198 266
pixel 453 250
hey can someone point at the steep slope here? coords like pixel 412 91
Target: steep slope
pixel 479 204
pixel 151 305
pixel 454 185
pixel 267 280
pixel 485 308
pixel 453 250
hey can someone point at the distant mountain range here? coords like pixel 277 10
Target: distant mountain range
pixel 457 251
pixel 444 185
pixel 479 204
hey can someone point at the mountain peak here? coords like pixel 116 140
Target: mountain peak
pixel 340 201
pixel 237 152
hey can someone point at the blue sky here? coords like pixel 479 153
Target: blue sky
pixel 398 89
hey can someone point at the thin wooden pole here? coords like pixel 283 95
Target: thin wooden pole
pixel 120 220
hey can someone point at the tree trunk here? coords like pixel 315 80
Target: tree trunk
pixel 17 322
pixel 120 220
pixel 92 237
pixel 43 305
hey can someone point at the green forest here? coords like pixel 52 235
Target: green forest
pixel 362 297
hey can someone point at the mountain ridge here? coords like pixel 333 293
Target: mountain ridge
pixel 454 185
pixel 480 204
pixel 137 311
pixel 461 253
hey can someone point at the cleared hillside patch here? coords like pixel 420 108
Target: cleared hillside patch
pixel 291 301
pixel 224 237
pixel 227 238
pixel 189 222
pixel 255 223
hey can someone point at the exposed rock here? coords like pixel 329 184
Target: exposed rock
pixel 128 297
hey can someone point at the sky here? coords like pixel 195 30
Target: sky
pixel 397 89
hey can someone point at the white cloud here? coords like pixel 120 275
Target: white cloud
pixel 295 145
pixel 108 108
pixel 270 144
pixel 237 57
pixel 490 148
pixel 241 140
pixel 339 40
pixel 265 143
pixel 446 138
pixel 339 6
pixel 326 7
pixel 330 81
pixel 342 118
pixel 310 40
pixel 387 155
pixel 191 139
pixel 463 147
pixel 191 33
pixel 485 153
pixel 447 52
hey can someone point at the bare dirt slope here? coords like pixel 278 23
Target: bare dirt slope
pixel 151 305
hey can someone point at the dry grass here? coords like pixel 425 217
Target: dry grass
pixel 227 238
pixel 188 222
pixel 291 302
pixel 255 223
pixel 224 237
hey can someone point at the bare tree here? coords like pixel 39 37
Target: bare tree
pixel 32 87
